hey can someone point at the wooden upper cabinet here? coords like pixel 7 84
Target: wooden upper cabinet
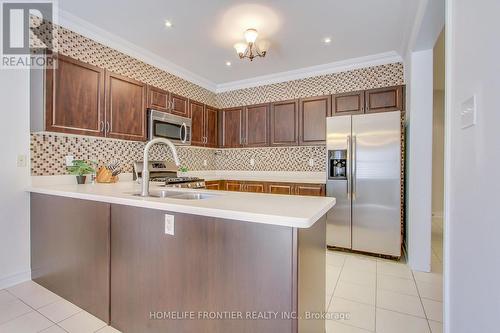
pixel 317 190
pixel 125 108
pixel 197 123
pixel 157 99
pixel 231 127
pixel 179 105
pixel 74 97
pixel 348 103
pixel 284 123
pixel 384 99
pixel 312 119
pixel 256 125
pixel 211 124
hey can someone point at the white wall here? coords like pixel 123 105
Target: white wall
pixel 419 154
pixel 14 203
pixel 472 169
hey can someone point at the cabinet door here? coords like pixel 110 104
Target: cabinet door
pixel 125 108
pixel 74 98
pixel 70 240
pixel 213 185
pixel 211 123
pixel 384 99
pixel 157 99
pixel 254 187
pixel 317 190
pixel 284 123
pixel 180 105
pixel 280 188
pixel 312 119
pixel 256 125
pixel 231 127
pixel 197 123
pixel 348 103
pixel 230 185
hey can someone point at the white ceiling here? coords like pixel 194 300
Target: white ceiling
pixel 202 38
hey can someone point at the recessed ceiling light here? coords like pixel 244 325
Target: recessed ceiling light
pixel 168 24
pixel 327 40
pixel 228 63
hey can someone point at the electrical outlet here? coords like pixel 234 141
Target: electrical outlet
pixel 69 160
pixel 169 224
pixel 311 162
pixel 252 162
pixel 205 163
pixel 21 161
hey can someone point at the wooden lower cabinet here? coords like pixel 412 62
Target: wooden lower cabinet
pixel 70 250
pixel 317 190
pixel 230 185
pixel 213 185
pixel 280 188
pixel 267 187
pixel 254 187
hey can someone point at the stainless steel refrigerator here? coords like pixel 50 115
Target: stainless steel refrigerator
pixel 364 175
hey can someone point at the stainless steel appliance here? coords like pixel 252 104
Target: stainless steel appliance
pixel 162 173
pixel 168 126
pixel 364 175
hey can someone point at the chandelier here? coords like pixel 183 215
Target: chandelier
pixel 250 50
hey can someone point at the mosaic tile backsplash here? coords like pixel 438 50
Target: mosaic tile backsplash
pixel 48 151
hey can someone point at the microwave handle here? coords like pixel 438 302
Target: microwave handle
pixel 183 138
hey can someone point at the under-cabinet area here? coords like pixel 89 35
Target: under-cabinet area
pixel 119 263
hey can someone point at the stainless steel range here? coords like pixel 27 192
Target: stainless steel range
pixel 163 173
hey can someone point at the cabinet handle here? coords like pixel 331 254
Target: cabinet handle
pixel 107 127
pixel 101 126
pixel 173 104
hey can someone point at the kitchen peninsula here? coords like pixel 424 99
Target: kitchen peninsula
pixel 126 259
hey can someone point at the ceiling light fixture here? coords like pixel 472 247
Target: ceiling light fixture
pixel 228 63
pixel 168 24
pixel 327 40
pixel 250 50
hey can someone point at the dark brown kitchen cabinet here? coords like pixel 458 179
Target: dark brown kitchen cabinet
pixel 384 99
pixel 348 103
pixel 256 126
pixel 284 119
pixel 211 127
pixel 179 105
pixel 254 187
pixel 125 108
pixel 70 244
pixel 231 125
pixel 197 123
pixel 312 119
pixel 74 101
pixel 157 99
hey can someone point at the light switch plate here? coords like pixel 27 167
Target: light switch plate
pixel 169 224
pixel 468 113
pixel 69 160
pixel 21 161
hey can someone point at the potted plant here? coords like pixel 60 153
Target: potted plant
pixel 80 169
pixel 182 171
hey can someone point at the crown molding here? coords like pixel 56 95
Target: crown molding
pixel 302 73
pixel 87 29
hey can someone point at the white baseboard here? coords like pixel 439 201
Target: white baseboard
pixel 11 280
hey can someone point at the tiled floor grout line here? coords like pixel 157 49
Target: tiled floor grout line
pixel 421 303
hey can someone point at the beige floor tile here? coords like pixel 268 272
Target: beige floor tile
pixel 108 329
pixel 31 322
pixel 432 291
pixel 33 294
pixel 54 329
pixel 60 310
pixel 433 309
pixel 333 326
pixel 362 277
pixel 11 307
pixel 335 259
pixel 332 277
pixel 356 292
pixel 394 322
pixel 328 298
pixel 396 284
pixel 394 269
pixel 82 322
pixel 360 315
pixel 361 263
pixel 400 303
pixel 436 327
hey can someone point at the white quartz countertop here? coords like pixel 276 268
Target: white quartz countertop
pixel 284 210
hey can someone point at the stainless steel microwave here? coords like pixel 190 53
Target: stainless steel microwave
pixel 166 125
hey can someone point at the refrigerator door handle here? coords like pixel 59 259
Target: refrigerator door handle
pixel 354 171
pixel 348 167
